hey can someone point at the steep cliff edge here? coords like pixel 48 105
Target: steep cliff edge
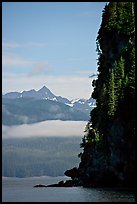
pixel 108 157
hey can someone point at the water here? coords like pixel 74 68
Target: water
pixel 21 190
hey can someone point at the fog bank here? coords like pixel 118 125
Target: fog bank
pixel 45 129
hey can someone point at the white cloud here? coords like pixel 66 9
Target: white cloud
pixel 45 129
pixel 33 67
pixel 13 60
pixel 39 68
pixel 38 75
pixel 70 87
pixel 10 45
pixel 84 72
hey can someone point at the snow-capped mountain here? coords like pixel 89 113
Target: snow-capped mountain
pixel 43 93
pixel 91 102
pixel 84 104
pixel 35 106
pixel 46 94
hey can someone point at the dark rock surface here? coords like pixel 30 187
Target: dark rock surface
pixel 68 183
pixel 39 185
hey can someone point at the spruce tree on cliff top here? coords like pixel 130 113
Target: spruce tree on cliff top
pixel 108 156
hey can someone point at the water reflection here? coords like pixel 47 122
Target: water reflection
pixel 107 195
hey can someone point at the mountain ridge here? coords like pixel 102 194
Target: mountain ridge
pixel 36 106
pixel 45 93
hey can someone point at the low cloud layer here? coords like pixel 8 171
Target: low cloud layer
pixel 50 128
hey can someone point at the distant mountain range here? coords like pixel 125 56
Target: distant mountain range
pixel 35 106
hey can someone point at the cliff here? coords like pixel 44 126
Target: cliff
pixel 108 156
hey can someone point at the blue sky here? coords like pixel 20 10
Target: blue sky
pixel 51 44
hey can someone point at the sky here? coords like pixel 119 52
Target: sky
pixel 50 44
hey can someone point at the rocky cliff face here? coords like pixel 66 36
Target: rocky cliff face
pixel 108 157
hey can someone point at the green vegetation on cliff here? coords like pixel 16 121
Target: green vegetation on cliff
pixel 108 156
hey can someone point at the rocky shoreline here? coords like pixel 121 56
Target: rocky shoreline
pixel 68 183
pixel 108 180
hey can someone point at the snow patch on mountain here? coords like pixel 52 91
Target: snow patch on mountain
pixel 69 104
pixel 45 94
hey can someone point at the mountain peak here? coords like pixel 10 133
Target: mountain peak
pixel 44 92
pixel 44 88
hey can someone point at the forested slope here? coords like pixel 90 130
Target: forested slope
pixel 39 156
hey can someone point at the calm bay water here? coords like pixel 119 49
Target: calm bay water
pixel 21 190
